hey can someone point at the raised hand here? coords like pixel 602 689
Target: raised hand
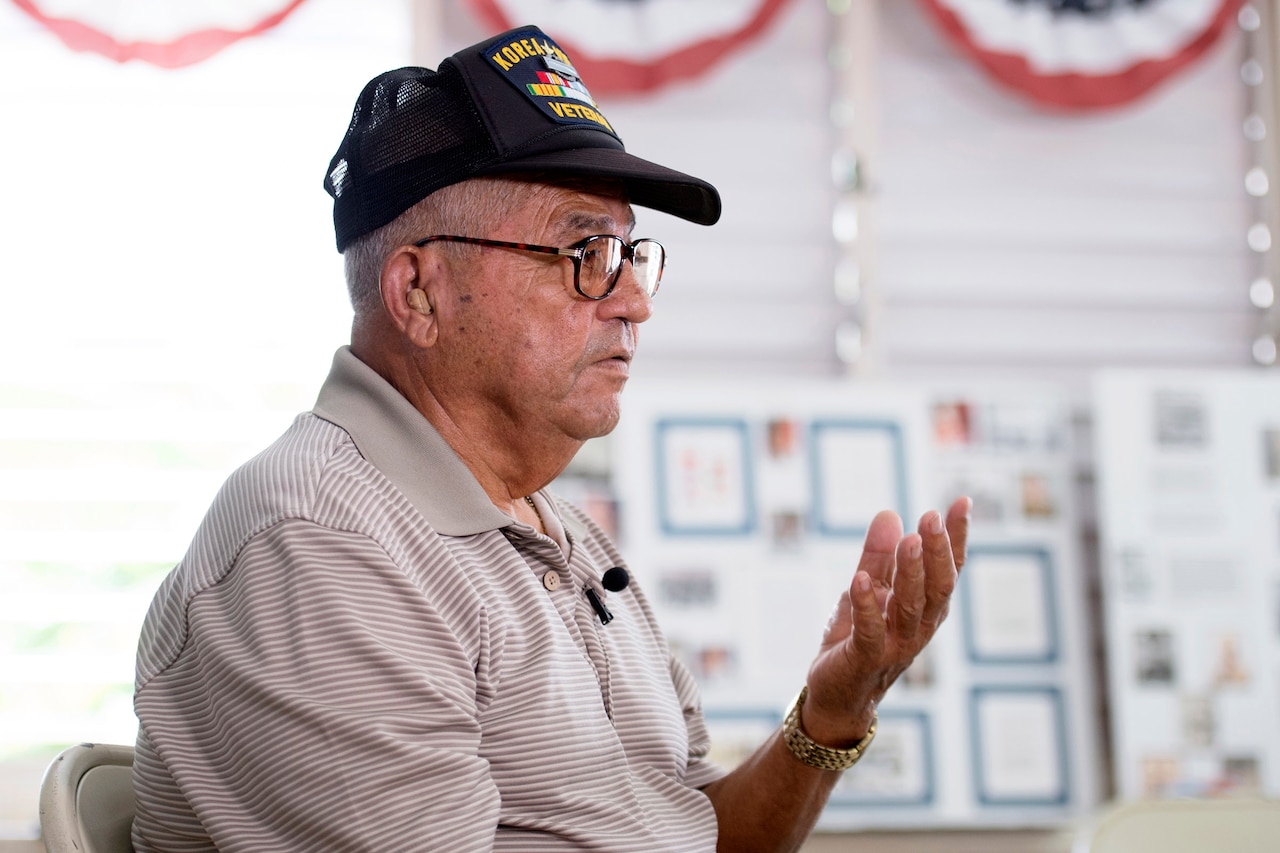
pixel 895 603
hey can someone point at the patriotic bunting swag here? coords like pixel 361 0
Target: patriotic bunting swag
pixel 165 33
pixel 1075 54
pixel 1083 54
pixel 634 46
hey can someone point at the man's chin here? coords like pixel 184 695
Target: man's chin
pixel 599 420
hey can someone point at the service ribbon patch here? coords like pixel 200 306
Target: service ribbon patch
pixel 536 65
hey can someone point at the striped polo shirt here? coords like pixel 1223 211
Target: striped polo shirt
pixel 361 652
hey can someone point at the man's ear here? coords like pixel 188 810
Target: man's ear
pixel 407 286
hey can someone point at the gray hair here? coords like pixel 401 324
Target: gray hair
pixel 470 208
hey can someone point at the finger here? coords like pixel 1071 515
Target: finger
pixel 939 566
pixel 958 529
pixel 868 624
pixel 907 604
pixel 878 552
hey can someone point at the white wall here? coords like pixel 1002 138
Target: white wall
pixel 1019 242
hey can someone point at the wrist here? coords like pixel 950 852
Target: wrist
pixel 836 732
pixel 815 752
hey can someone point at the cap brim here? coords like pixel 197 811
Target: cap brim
pixel 648 184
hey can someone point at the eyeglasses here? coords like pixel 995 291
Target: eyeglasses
pixel 597 260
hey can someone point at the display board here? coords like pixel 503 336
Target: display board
pixel 743 511
pixel 1189 489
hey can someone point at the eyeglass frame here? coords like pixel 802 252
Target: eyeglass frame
pixel 576 252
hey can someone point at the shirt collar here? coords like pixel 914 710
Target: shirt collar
pixel 397 440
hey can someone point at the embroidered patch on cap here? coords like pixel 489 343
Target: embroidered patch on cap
pixel 536 65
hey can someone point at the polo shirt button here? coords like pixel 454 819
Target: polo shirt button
pixel 551 580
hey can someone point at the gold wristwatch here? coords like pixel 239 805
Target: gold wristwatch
pixel 815 754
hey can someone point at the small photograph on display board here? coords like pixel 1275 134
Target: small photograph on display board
pixel 688 588
pixel 897 770
pixel 713 662
pixel 784 474
pixel 986 487
pixel 784 436
pixel 1160 775
pixel 786 530
pixel 1154 657
pixel 1021 427
pixel 1020 746
pixel 952 423
pixel 1240 775
pixel 704 477
pixel 1181 419
pixel 1199 723
pixel 1133 571
pixel 1037 493
pixel 1007 596
pixel 1230 669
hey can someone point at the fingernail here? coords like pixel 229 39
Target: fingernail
pixel 935 522
pixel 914 549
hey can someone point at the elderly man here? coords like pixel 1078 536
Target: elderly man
pixel 386 634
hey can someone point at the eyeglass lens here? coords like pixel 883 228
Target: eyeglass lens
pixel 602 259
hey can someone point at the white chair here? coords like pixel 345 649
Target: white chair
pixel 1226 825
pixel 86 800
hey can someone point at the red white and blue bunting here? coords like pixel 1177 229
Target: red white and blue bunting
pixel 636 46
pixel 164 33
pixel 1076 54
pixel 1083 54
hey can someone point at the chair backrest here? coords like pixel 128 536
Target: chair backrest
pixel 87 801
pixel 1226 825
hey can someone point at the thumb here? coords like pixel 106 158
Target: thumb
pixel 840 624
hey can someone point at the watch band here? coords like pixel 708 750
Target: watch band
pixel 815 754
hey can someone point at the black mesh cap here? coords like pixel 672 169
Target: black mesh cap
pixel 511 104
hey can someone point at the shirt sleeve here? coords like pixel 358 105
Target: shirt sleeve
pixel 321 702
pixel 701 771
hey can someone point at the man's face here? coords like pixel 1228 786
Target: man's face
pixel 520 342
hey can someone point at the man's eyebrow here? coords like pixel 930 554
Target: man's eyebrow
pixel 595 223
